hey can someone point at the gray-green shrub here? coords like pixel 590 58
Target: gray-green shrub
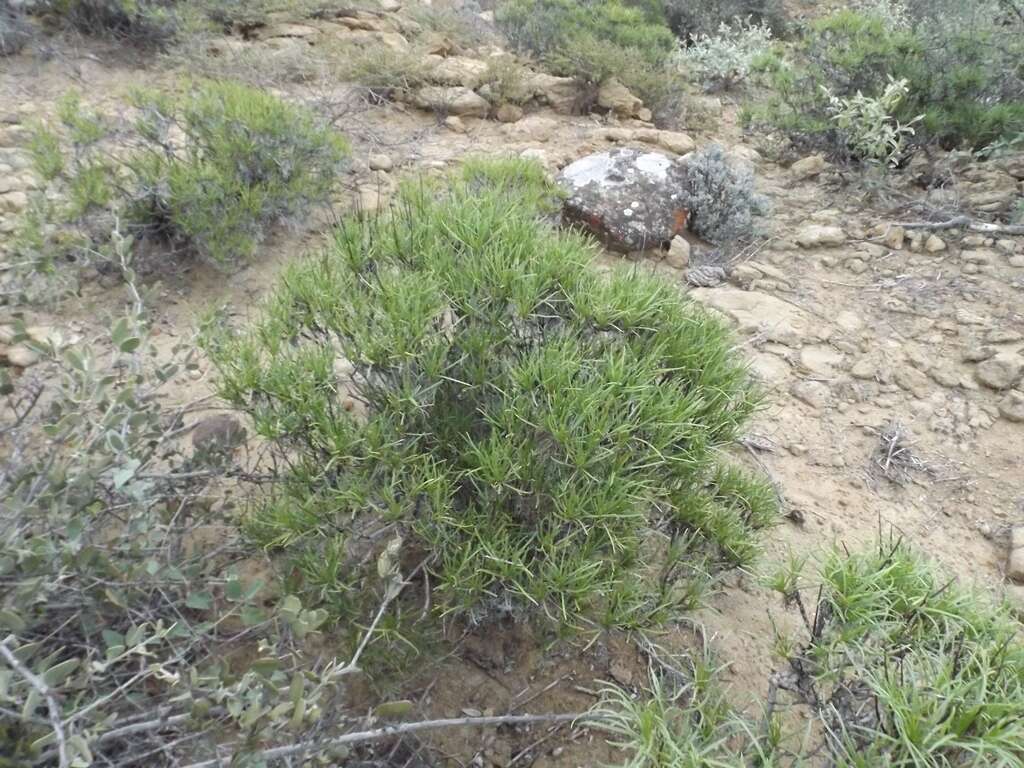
pixel 137 22
pixel 247 159
pixel 720 196
pixel 525 423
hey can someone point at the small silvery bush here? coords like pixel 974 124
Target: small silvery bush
pixel 720 196
pixel 871 131
pixel 725 59
pixel 525 427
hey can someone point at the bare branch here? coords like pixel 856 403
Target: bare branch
pixel 964 222
pixel 397 730
pixel 46 692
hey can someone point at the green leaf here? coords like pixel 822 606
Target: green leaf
pixel 200 601
pixel 393 709
pixel 12 621
pixel 252 615
pixel 291 605
pixel 58 673
pixel 130 345
pixel 233 590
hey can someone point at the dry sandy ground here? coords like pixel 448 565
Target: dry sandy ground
pixel 848 339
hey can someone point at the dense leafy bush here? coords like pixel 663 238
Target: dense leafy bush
pixel 123 591
pixel 961 63
pixel 206 173
pixel 524 424
pixel 906 668
pixel 725 58
pixel 139 22
pixel 247 159
pixel 688 18
pixel 594 41
pixel 720 195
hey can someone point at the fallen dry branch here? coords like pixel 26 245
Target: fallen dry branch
pixel 386 731
pixel 964 222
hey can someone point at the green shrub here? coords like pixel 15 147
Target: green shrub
pixel 248 159
pixel 139 22
pixel 907 668
pixel 688 18
pixel 961 63
pixel 541 27
pixel 206 173
pixel 527 422
pixel 592 42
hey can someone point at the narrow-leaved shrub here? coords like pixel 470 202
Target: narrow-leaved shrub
pixel 204 173
pixel 905 667
pixel 247 159
pixel 521 424
pixel 593 42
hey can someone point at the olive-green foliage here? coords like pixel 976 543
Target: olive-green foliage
pixel 687 17
pixel 139 22
pixel 594 41
pixel 113 591
pixel 528 420
pixel 248 159
pixel 963 70
pixel 542 27
pixel 238 160
pixel 939 667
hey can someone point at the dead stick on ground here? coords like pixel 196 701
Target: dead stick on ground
pixel 965 222
pixel 397 730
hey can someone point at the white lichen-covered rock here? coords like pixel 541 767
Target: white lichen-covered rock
pixel 628 198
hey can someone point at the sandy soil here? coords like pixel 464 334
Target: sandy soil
pixel 848 340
